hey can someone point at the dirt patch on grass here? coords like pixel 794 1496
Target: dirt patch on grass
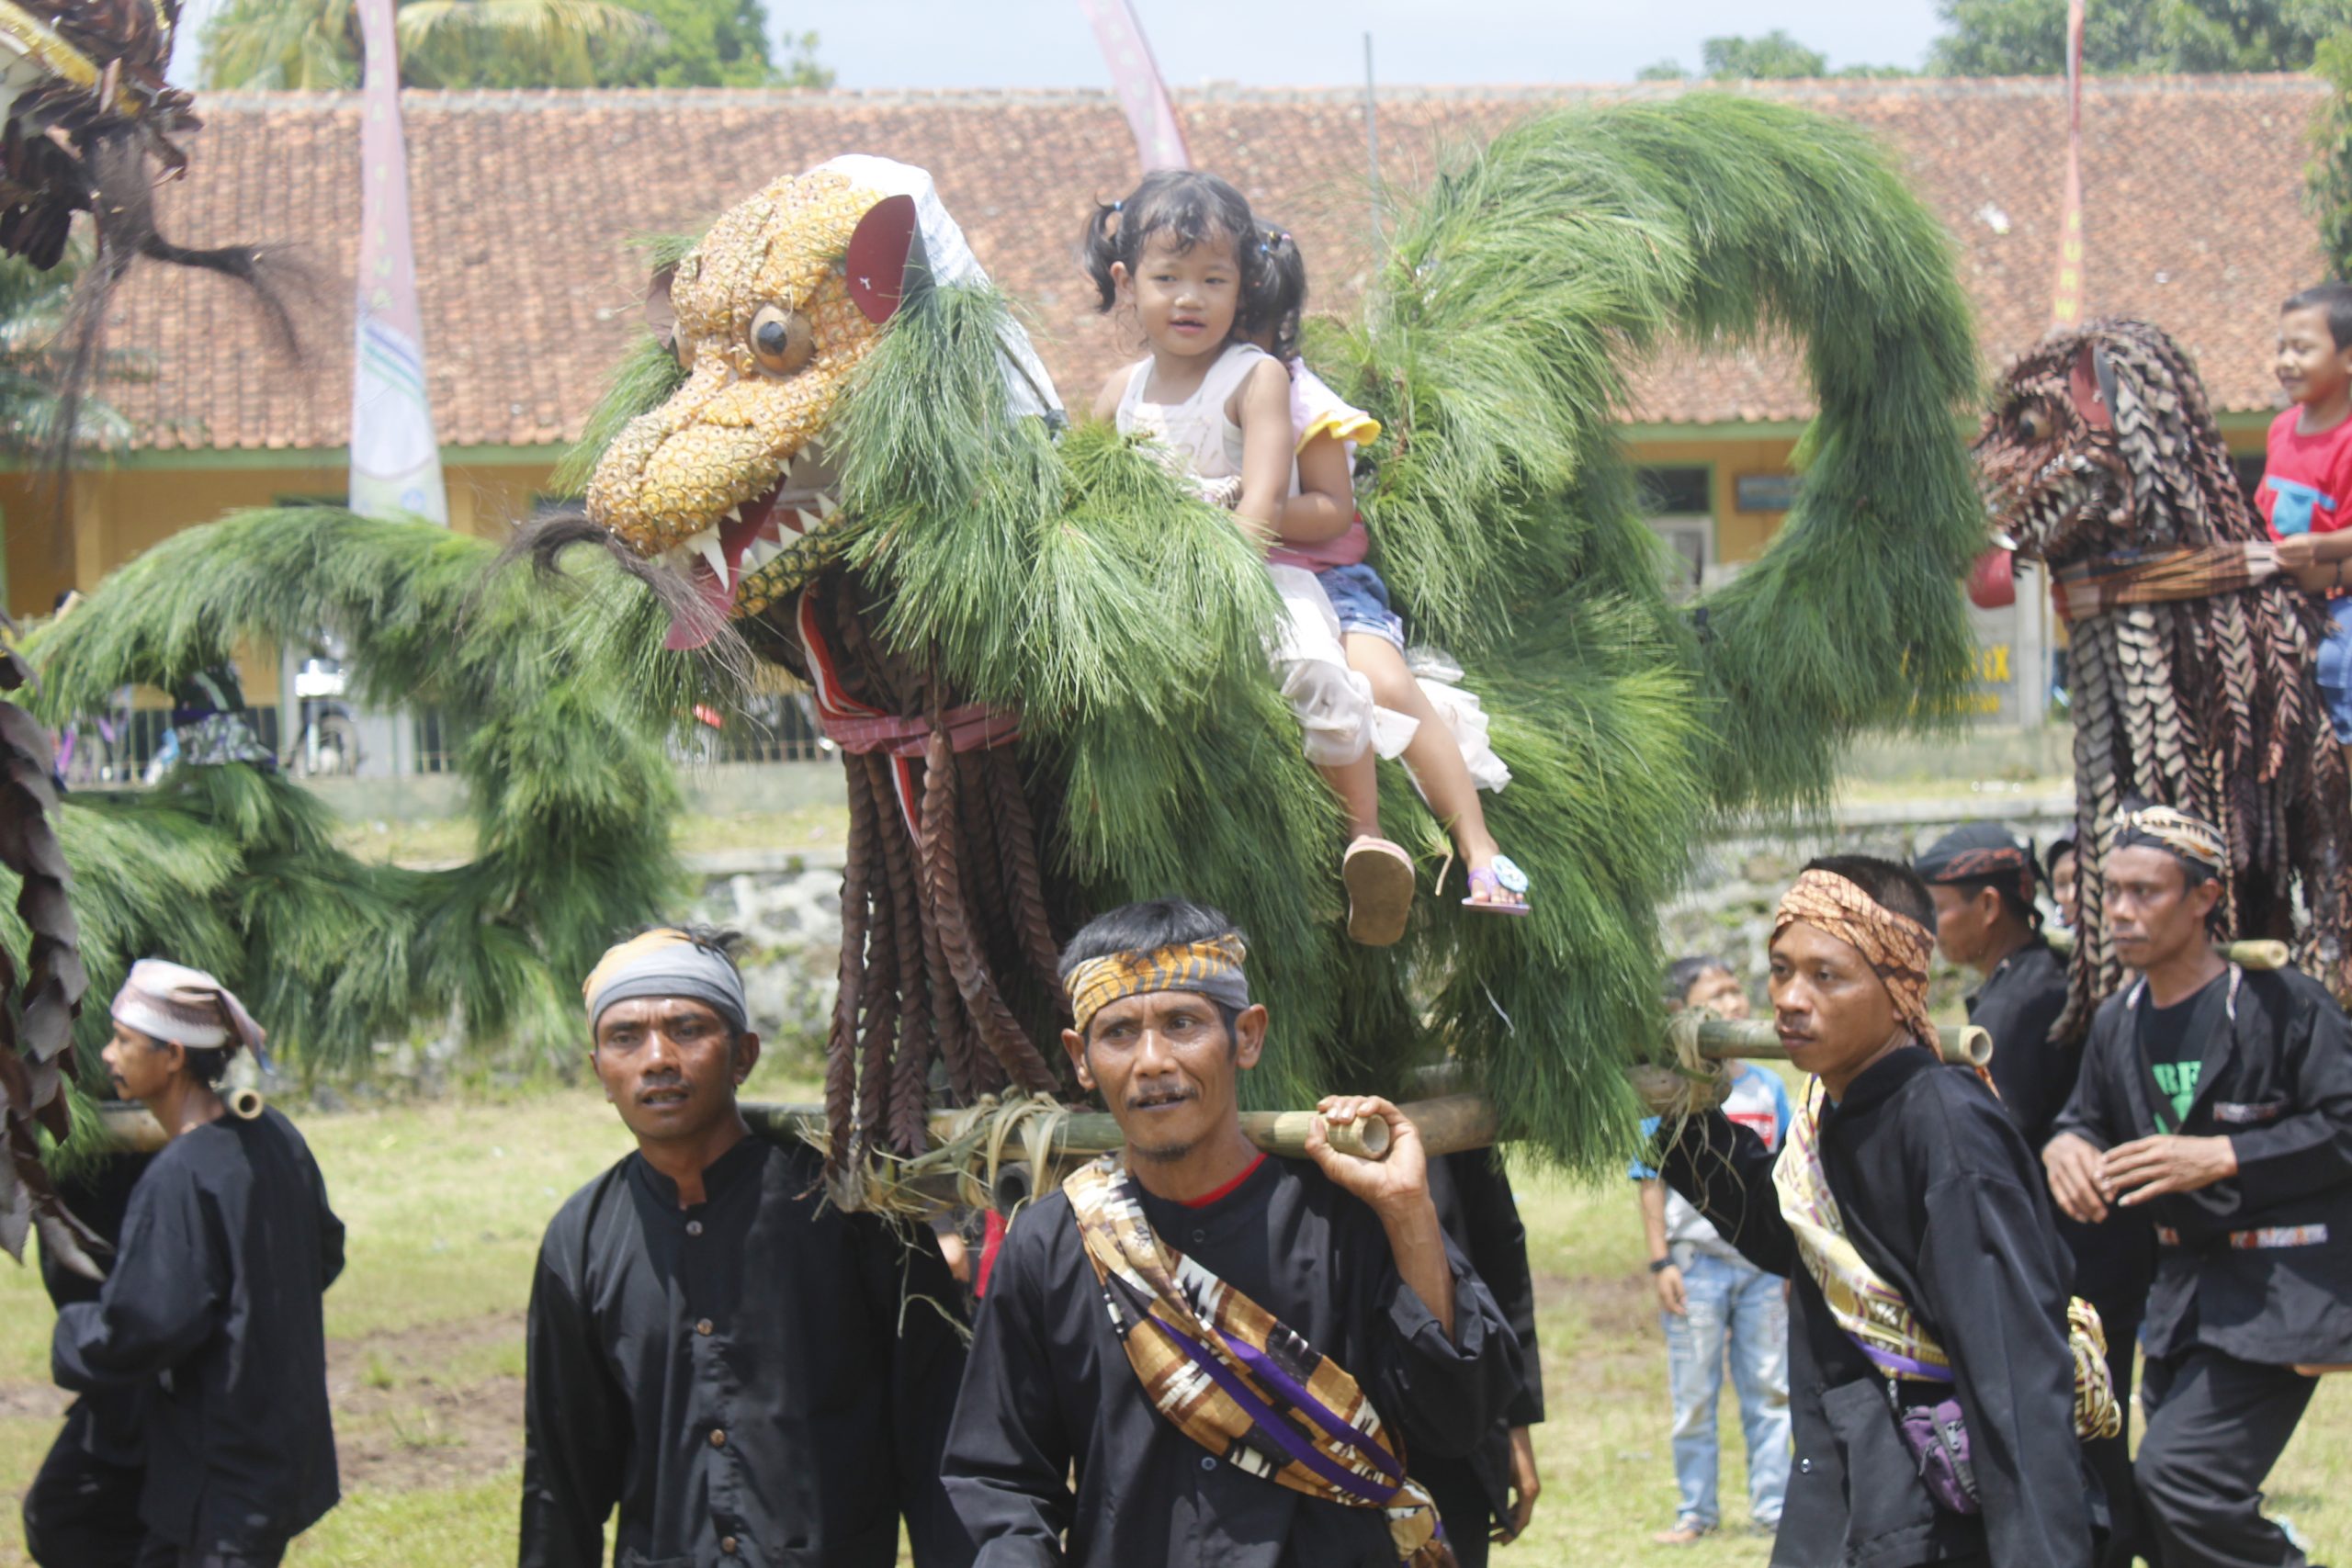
pixel 1612 1306
pixel 401 1421
pixel 33 1401
pixel 401 1424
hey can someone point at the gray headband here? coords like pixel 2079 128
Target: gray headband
pixel 665 964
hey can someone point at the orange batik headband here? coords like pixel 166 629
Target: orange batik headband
pixel 1895 946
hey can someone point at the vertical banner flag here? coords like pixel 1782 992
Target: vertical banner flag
pixel 395 461
pixel 2066 304
pixel 1135 76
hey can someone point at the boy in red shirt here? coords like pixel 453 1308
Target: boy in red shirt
pixel 2306 490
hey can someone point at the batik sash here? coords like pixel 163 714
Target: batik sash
pixel 1235 1379
pixel 1873 1314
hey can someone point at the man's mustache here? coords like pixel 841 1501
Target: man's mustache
pixel 1151 1098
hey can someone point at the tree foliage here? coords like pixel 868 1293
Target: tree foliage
pixel 509 43
pixel 2329 177
pixel 712 43
pixel 2028 37
pixel 1773 57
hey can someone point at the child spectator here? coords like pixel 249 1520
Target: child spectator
pixel 2306 490
pixel 1713 1300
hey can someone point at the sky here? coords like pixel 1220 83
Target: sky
pixel 1046 43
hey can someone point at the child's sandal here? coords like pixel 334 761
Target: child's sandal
pixel 1497 889
pixel 1379 878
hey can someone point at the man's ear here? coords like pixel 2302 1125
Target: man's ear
pixel 747 1056
pixel 1249 1035
pixel 1074 1044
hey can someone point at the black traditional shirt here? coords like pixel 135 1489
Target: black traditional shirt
pixel 2259 1266
pixel 99 1193
pixel 1942 1197
pixel 1050 1397
pixel 1480 1215
pixel 214 1308
pixel 2018 1006
pixel 753 1381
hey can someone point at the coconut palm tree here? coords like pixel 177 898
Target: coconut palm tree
pixel 443 44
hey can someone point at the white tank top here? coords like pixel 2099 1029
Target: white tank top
pixel 1197 428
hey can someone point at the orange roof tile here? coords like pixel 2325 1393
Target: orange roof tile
pixel 526 203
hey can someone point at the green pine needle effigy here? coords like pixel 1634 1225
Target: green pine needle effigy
pixel 1075 580
pixel 561 702
pixel 1496 346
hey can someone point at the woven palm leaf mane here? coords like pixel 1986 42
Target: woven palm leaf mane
pixel 2101 442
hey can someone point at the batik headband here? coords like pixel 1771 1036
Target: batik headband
pixel 667 963
pixel 187 1007
pixel 1895 946
pixel 1212 968
pixel 2163 827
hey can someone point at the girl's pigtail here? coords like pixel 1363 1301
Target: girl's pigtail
pixel 1098 248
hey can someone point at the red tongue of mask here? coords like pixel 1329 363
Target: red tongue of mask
pixel 718 598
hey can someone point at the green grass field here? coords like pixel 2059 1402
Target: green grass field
pixel 445 1202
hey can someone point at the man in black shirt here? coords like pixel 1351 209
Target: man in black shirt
pixel 1937 1199
pixel 2217 1103
pixel 1496 1482
pixel 1982 881
pixel 212 1311
pixel 753 1377
pixel 82 1510
pixel 1114 1425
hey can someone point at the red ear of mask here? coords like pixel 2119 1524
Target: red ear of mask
pixel 876 261
pixel 2083 387
pixel 1993 584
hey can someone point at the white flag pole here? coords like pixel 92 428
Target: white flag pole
pixel 395 461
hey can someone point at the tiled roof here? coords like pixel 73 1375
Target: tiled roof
pixel 525 204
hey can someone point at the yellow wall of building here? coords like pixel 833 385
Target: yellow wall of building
pixel 1740 537
pixel 117 513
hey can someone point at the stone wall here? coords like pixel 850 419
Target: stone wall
pixel 1737 880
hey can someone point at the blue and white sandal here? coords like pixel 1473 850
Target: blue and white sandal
pixel 1500 889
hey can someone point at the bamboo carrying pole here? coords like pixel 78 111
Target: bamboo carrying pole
pixel 2263 954
pixel 1448 1123
pixel 131 1125
pixel 1723 1040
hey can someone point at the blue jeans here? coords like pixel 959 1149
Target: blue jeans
pixel 2334 671
pixel 1743 1311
